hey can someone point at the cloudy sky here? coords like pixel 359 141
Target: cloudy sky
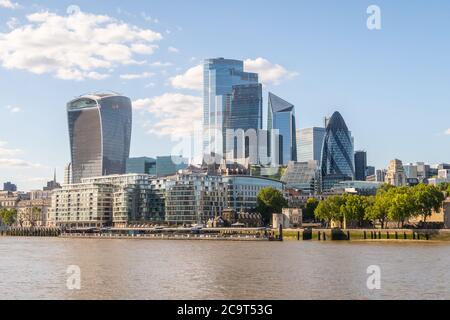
pixel 391 85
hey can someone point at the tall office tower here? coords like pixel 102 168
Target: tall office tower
pixel 337 153
pixel 309 144
pixel 100 134
pixel 395 174
pixel 244 121
pixel 281 117
pixel 221 81
pixel 360 165
pixel 68 174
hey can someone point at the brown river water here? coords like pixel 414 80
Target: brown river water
pixel 36 268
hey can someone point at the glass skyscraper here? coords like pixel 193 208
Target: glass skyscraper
pixel 100 135
pixel 309 144
pixel 281 117
pixel 230 95
pixel 360 165
pixel 337 162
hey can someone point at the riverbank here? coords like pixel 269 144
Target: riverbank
pixel 365 235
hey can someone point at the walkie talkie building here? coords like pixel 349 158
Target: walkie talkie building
pixel 100 135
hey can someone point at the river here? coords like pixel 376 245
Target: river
pixel 36 268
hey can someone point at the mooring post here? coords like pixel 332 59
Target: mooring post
pixel 298 236
pixel 318 235
pixel 281 232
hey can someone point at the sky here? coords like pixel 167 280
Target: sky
pixel 391 85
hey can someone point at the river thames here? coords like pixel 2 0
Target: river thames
pixel 36 268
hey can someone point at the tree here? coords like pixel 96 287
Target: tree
pixel 8 216
pixel 329 210
pixel 426 199
pixel 354 208
pixel 444 186
pixel 270 201
pixel 379 206
pixel 310 207
pixel 402 206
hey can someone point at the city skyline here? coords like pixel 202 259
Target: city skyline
pixel 387 102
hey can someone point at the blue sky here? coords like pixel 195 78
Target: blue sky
pixel 390 85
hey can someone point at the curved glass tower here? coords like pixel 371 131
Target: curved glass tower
pixel 100 135
pixel 337 153
pixel 281 116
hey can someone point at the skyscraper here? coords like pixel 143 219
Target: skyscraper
pixel 100 135
pixel 337 153
pixel 281 117
pixel 360 165
pixel 309 144
pixel 223 97
pixel 245 115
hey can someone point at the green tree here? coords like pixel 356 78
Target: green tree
pixel 354 208
pixel 426 199
pixel 379 206
pixel 8 216
pixel 310 207
pixel 402 206
pixel 329 210
pixel 270 201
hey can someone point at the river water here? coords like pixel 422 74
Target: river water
pixel 36 268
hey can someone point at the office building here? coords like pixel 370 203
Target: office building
pixel 303 176
pixel 380 175
pixel 337 154
pixel 143 165
pixel 310 143
pixel 100 134
pixel 8 186
pixel 360 165
pixel 281 117
pixel 395 174
pixel 370 171
pixel 228 92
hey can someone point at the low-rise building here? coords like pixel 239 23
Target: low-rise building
pixel 289 218
pixel 33 213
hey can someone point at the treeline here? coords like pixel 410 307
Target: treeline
pixel 391 204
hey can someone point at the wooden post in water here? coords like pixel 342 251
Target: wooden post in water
pixel 396 235
pixel 298 236
pixel 324 236
pixel 387 235
pixel 318 235
pixel 281 232
pixel 365 235
pixel 348 235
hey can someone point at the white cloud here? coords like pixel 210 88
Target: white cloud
pixel 74 47
pixel 160 64
pixel 176 114
pixel 173 50
pixel 269 73
pixel 12 23
pixel 13 109
pixel 149 18
pixel 9 4
pixel 7 152
pixel 17 163
pixel 447 132
pixel 192 79
pixel 133 76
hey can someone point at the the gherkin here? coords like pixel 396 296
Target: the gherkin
pixel 337 153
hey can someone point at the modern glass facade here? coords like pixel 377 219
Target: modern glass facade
pixel 169 165
pixel 360 165
pixel 100 135
pixel 141 165
pixel 337 153
pixel 310 143
pixel 281 117
pixel 303 176
pixel 221 76
pixel 245 121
